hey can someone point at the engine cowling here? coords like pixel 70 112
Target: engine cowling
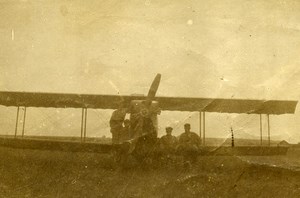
pixel 139 109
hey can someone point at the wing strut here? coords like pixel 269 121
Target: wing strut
pixel 269 138
pixel 260 127
pixel 24 120
pixel 202 127
pixel 17 122
pixel 83 124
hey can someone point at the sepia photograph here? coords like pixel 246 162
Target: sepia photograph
pixel 149 98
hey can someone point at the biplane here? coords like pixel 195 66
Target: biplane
pixel 147 106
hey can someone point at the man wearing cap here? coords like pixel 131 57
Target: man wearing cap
pixel 189 143
pixel 168 142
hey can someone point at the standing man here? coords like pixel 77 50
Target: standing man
pixel 189 143
pixel 116 123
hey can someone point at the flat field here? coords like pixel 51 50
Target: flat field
pixel 37 173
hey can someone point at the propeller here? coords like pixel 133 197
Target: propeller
pixel 154 87
pixel 151 94
pixel 142 121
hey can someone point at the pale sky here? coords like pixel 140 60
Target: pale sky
pixel 228 49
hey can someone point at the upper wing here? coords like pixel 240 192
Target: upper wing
pixel 227 105
pixel 57 100
pixel 60 100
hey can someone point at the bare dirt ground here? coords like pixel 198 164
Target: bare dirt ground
pixel 35 173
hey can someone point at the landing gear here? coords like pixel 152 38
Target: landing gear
pixel 145 148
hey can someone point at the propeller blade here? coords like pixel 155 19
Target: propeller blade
pixel 154 87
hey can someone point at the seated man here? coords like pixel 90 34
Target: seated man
pixel 168 142
pixel 189 144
